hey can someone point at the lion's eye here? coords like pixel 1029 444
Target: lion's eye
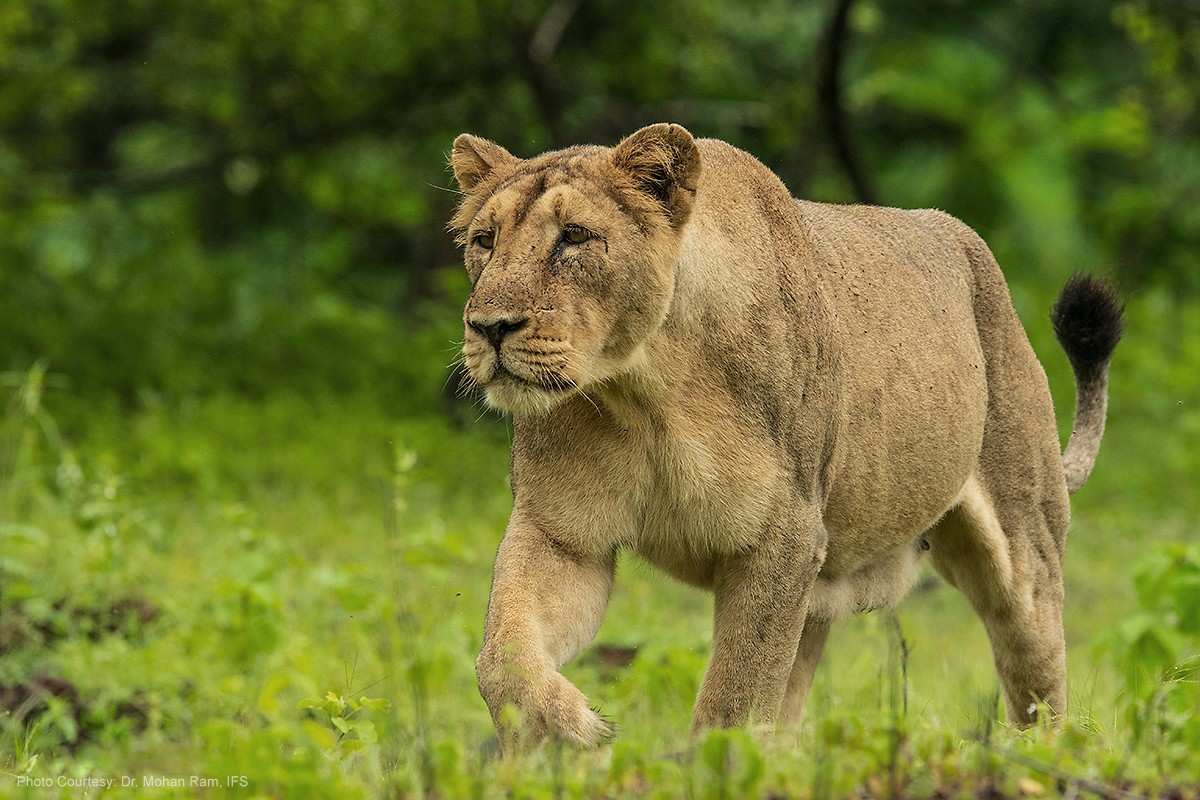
pixel 575 234
pixel 485 239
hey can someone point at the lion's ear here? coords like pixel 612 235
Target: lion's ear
pixel 473 159
pixel 664 162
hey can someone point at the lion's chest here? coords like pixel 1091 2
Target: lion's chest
pixel 680 491
pixel 704 492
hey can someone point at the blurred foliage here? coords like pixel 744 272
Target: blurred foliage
pixel 246 195
pixel 227 307
pixel 306 616
pixel 1158 650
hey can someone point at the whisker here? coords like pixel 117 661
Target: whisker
pixel 458 369
pixel 592 402
pixel 446 189
pixel 466 385
pixel 575 385
pixel 591 379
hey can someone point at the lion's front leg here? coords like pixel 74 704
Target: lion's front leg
pixel 546 604
pixel 762 598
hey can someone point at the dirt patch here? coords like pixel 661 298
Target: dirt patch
pixel 610 659
pixel 19 627
pixel 28 700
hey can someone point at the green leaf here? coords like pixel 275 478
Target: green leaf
pixel 366 731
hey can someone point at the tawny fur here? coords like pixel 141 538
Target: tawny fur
pixel 773 399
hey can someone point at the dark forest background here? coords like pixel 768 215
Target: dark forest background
pixel 252 196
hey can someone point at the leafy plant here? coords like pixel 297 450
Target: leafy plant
pixel 350 728
pixel 1157 649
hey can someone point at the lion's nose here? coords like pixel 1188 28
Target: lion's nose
pixel 495 330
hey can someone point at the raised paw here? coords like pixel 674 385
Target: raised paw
pixel 565 713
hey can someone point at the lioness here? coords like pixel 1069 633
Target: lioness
pixel 782 401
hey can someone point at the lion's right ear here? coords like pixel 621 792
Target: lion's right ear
pixel 473 159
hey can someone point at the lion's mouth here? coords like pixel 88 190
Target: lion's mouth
pixel 539 375
pixel 550 382
pixel 518 387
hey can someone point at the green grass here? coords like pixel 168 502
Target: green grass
pixel 293 590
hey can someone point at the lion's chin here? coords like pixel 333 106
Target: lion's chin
pixel 521 398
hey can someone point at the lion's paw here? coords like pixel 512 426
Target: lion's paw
pixel 566 713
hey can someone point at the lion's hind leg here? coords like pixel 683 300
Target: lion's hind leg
pixel 808 657
pixel 1003 557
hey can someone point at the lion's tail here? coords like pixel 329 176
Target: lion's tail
pixel 1087 320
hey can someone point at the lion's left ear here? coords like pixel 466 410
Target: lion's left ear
pixel 664 162
pixel 473 159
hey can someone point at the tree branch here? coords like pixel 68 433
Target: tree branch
pixel 834 45
pixel 535 59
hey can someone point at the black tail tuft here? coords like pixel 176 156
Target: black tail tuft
pixel 1087 320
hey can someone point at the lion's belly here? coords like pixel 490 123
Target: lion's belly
pixel 914 403
pixel 902 470
pixel 881 583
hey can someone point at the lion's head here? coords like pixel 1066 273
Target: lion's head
pixel 571 257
